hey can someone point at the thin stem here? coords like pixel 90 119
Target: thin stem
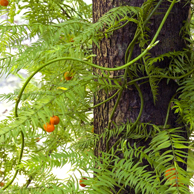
pixel 119 97
pixel 138 33
pixel 159 76
pixel 141 103
pixel 115 106
pixel 16 115
pixel 20 158
pixel 163 21
pixel 100 67
pixel 106 100
pixel 122 188
pixel 119 27
pixel 168 110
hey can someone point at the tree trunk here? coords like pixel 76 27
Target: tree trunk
pixel 112 53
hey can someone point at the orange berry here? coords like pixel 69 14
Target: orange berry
pixel 80 182
pixel 170 172
pixel 92 130
pixel 175 184
pixel 4 2
pixel 37 139
pixel 1 184
pixel 54 120
pixel 49 127
pixel 86 152
pixel 68 76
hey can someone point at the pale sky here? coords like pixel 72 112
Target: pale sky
pixel 88 1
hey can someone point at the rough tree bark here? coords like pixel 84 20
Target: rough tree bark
pixel 111 54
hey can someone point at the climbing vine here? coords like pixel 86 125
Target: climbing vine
pixel 64 45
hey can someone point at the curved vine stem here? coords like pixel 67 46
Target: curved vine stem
pixel 138 33
pixel 20 158
pixel 139 115
pixel 141 104
pixel 131 46
pixel 16 115
pixel 159 76
pixel 106 100
pixel 122 188
pixel 152 44
pixel 118 99
pixel 119 27
pixel 149 47
pixel 16 110
pixel 168 110
pixel 128 58
pixel 112 113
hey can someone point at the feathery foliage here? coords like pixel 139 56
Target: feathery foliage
pixel 62 33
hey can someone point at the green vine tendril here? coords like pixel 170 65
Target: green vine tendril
pixel 150 46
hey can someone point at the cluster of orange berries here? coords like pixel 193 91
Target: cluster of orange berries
pixel 4 2
pixel 49 127
pixel 54 120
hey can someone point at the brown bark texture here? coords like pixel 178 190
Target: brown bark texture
pixel 111 54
